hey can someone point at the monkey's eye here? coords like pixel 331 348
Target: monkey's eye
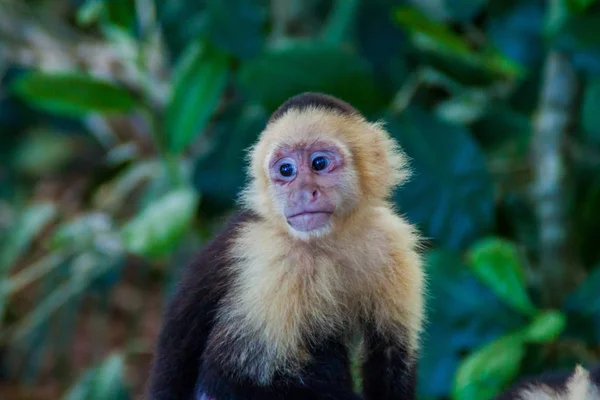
pixel 287 170
pixel 319 163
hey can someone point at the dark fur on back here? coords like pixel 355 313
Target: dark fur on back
pixel 310 99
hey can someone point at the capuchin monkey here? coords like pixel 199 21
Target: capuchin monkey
pixel 578 384
pixel 315 256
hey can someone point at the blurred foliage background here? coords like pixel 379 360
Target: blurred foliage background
pixel 123 128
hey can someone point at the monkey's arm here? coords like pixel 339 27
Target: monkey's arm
pixel 187 323
pixel 189 319
pixel 389 371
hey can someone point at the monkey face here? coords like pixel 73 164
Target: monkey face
pixel 312 169
pixel 308 180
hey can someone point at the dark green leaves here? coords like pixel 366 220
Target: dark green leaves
pixel 73 94
pixel 220 174
pixel 517 31
pixel 437 38
pixel 498 263
pixel 450 194
pixel 585 299
pixel 198 84
pixel 157 229
pixel 236 26
pixel 294 67
pixel 476 317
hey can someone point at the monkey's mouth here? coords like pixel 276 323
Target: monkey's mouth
pixel 306 221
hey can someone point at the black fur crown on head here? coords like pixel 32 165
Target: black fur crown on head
pixel 308 99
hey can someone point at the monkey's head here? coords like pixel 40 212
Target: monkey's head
pixel 317 162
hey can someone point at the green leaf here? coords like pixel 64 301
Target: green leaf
pixel 84 270
pixel 73 94
pixel 435 37
pixel 199 82
pixel 465 108
pixel 340 20
pixel 450 194
pixel 42 152
pixel 579 5
pixel 297 66
pixel 417 22
pixel 31 273
pixel 497 263
pixel 517 31
pixel 545 327
pixel 584 299
pixel 102 382
pixel 236 26
pixel 589 113
pixel 454 10
pixel 89 12
pixel 89 230
pixel 156 230
pixel 26 228
pixel 219 175
pixel 476 317
pixel 486 372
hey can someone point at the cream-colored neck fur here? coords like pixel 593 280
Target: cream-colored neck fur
pixel 288 291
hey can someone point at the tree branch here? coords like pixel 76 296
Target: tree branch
pixel 558 265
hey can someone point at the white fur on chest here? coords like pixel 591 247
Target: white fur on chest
pixel 284 299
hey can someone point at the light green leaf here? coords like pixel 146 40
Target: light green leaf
pixel 156 230
pixel 545 327
pixel 73 94
pixel 43 151
pixel 86 267
pixel 484 373
pixel 199 82
pixel 103 382
pixel 89 230
pixel 89 12
pixel 31 273
pixel 496 262
pixel 26 228
pixel 341 19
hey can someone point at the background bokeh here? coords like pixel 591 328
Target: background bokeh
pixel 123 126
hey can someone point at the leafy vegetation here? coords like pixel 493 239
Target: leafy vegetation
pixel 124 128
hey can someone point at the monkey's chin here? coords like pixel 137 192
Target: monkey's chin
pixel 310 225
pixel 312 234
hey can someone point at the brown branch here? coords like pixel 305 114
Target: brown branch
pixel 559 267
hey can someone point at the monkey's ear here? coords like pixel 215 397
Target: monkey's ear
pixel 381 162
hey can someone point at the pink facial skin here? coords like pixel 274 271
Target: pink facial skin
pixel 306 179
